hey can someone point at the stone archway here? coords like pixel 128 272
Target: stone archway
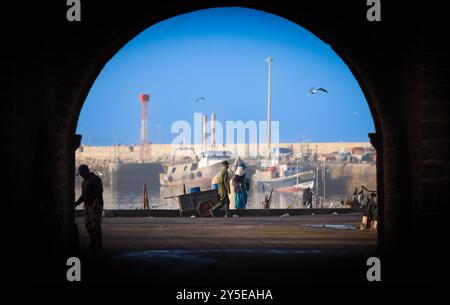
pixel 393 61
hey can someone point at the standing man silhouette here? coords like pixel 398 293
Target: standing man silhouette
pixel 92 196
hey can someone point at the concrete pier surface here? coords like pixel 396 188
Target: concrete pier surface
pixel 144 233
pixel 234 251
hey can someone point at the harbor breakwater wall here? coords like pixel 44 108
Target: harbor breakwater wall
pixel 342 179
pixel 164 152
pixel 130 177
pixel 123 177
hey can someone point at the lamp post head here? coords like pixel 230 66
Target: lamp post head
pixel 269 59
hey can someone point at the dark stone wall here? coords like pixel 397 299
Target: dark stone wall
pixel 49 64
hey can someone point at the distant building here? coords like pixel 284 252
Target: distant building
pixel 358 151
pixel 330 158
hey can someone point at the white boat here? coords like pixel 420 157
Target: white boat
pixel 199 172
pixel 282 173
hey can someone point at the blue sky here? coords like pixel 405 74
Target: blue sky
pixel 220 54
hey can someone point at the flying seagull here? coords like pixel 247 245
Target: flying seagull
pixel 201 98
pixel 316 90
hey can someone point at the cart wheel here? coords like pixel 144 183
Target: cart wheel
pixel 203 208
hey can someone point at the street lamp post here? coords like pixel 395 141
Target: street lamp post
pixel 325 185
pixel 269 60
pixel 159 132
pixel 317 181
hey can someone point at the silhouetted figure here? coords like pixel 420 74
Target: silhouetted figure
pixel 372 212
pixel 92 196
pixel 305 198
pixel 310 197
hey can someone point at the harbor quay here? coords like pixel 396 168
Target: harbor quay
pixel 245 251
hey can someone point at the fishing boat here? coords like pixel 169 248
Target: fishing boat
pixel 283 173
pixel 296 188
pixel 199 172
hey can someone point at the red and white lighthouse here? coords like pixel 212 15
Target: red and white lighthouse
pixel 145 147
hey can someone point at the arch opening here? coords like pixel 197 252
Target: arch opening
pixel 298 140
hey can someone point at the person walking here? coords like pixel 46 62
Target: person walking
pixel 92 196
pixel 223 191
pixel 310 197
pixel 305 198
